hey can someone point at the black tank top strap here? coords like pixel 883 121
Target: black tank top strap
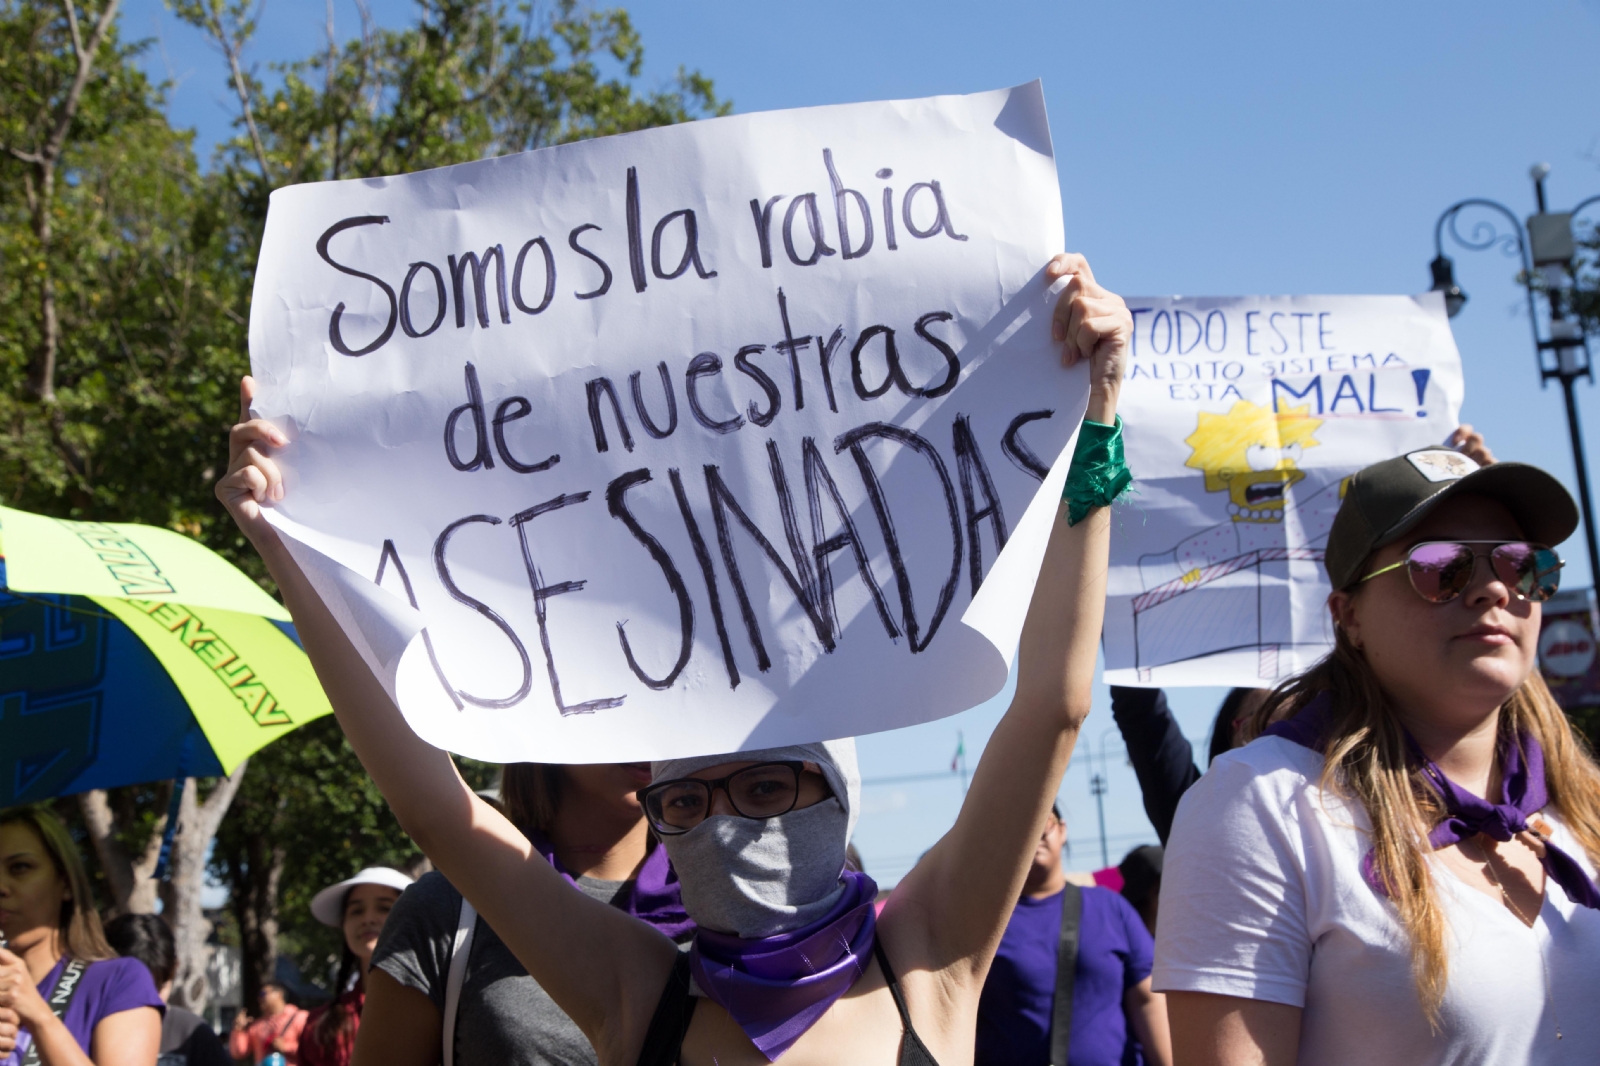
pixel 663 1041
pixel 912 1050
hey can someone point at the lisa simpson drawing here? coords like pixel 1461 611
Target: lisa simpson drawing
pixel 1251 456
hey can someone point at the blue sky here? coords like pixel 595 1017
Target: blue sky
pixel 1204 149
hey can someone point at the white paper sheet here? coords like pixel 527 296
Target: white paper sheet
pixel 541 407
pixel 1244 417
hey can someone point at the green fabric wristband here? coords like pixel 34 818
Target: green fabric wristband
pixel 1099 473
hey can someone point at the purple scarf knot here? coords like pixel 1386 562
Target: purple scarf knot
pixel 776 987
pixel 655 899
pixel 1522 794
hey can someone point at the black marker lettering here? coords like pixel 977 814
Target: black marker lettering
pixel 708 572
pixel 970 464
pixel 763 220
pixel 549 277
pixel 691 247
pixel 818 478
pixel 605 281
pixel 481 456
pixel 743 364
pixel 723 502
pixel 391 554
pixel 635 237
pixel 644 415
pixel 542 594
pixel 842 211
pixel 791 346
pixel 1020 454
pixel 405 300
pixel 335 338
pixel 953 365
pixel 891 357
pixel 819 246
pixel 880 506
pixel 480 277
pixel 509 411
pixel 940 222
pixel 825 350
pixel 706 364
pixel 594 387
pixel 617 504
pixel 456 594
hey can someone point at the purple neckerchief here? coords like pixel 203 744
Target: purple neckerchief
pixel 655 898
pixel 776 987
pixel 1522 790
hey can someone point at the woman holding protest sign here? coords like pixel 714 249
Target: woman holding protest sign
pixel 1401 870
pixel 788 951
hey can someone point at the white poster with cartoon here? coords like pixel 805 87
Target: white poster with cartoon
pixel 1244 418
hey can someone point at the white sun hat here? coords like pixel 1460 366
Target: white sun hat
pixel 327 906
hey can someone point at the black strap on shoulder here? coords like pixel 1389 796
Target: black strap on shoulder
pixel 61 995
pixel 663 1041
pixel 1066 974
pixel 893 983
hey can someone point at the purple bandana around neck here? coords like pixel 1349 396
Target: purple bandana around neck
pixel 776 987
pixel 655 898
pixel 1522 791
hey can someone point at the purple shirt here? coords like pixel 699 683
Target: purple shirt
pixel 1114 954
pixel 108 987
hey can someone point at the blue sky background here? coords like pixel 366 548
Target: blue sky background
pixel 1204 149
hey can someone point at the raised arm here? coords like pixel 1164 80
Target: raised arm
pixel 1162 757
pixel 544 922
pixel 949 912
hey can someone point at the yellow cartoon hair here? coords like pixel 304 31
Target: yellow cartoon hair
pixel 1221 441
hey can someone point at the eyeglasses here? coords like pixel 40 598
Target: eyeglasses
pixel 762 791
pixel 1441 570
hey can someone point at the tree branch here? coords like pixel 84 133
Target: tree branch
pixel 231 47
pixel 69 107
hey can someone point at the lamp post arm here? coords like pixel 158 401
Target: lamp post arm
pixel 1484 236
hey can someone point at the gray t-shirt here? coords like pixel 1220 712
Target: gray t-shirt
pixel 505 1018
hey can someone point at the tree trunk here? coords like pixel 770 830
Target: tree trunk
pixel 197 826
pixel 255 876
pixel 133 890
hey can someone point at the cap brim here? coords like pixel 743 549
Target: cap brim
pixel 1541 505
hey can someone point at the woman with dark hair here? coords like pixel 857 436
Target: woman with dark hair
pixel 1401 868
pixel 76 1003
pixel 586 820
pixel 789 957
pixel 358 907
pixel 186 1039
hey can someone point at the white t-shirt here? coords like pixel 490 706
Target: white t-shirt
pixel 1262 898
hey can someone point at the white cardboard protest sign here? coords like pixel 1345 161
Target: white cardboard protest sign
pixel 1245 416
pixel 689 440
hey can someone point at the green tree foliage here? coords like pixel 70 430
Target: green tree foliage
pixel 305 817
pixel 125 280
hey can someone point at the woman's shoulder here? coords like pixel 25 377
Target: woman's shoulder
pixel 1270 781
pixel 118 984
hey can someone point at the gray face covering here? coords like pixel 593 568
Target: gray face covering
pixel 760 878
pixel 756 879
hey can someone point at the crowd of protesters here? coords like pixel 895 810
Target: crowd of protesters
pixel 1388 859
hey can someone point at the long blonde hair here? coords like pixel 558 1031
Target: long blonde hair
pixel 1366 758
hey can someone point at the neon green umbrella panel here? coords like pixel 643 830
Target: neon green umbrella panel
pixel 117 641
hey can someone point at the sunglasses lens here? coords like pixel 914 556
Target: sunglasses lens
pixel 1534 572
pixel 1440 571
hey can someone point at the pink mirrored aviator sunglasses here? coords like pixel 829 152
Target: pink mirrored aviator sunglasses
pixel 1441 570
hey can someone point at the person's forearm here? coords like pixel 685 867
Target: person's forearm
pixel 419 781
pixel 1162 757
pixel 1147 1012
pixel 57 1046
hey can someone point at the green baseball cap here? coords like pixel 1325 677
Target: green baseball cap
pixel 1386 500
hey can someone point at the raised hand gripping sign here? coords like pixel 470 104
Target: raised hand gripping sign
pixel 1246 416
pixel 689 440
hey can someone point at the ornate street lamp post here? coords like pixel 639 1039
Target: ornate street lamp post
pixel 1547 249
